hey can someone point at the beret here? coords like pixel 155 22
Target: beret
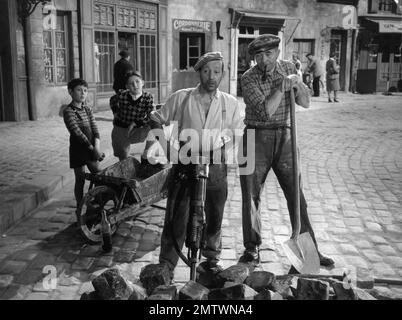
pixel 263 42
pixel 207 57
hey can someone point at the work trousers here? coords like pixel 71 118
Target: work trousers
pixel 316 86
pixel 216 195
pixel 273 148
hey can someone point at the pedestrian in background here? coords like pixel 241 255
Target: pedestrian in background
pixel 314 66
pixel 84 135
pixel 332 69
pixel 298 65
pixel 120 69
pixel 266 91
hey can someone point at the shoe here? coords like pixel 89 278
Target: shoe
pixel 209 266
pixel 325 261
pixel 336 100
pixel 329 100
pixel 250 255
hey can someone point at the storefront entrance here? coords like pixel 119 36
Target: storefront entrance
pixel 128 41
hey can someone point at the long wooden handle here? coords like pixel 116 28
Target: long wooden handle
pixel 296 200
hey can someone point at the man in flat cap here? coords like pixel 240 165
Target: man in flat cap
pixel 206 115
pixel 266 91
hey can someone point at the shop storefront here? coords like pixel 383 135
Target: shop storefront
pixel 111 26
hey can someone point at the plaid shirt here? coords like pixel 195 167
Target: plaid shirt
pixel 126 110
pixel 76 118
pixel 256 89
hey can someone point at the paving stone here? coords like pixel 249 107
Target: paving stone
pixel 348 249
pixel 5 280
pixel 372 256
pixel 105 261
pixel 83 263
pixel 29 277
pixel 387 250
pixel 37 296
pixel 373 226
pixel 395 262
pixel 124 256
pixel 13 267
pixel 363 244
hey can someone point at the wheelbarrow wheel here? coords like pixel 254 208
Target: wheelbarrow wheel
pixel 89 213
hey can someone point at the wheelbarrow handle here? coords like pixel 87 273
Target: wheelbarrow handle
pixel 296 200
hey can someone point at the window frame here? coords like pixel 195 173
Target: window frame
pixel 185 39
pixel 67 50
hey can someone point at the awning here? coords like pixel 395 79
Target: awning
pixel 248 17
pixel 387 25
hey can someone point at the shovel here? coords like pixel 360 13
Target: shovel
pixel 300 248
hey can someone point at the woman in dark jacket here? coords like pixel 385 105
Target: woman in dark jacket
pixel 332 77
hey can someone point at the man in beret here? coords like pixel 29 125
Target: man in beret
pixel 210 114
pixel 266 91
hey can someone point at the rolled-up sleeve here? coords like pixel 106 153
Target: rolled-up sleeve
pixel 253 96
pixel 167 112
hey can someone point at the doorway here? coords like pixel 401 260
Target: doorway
pixel 128 41
pixel 338 46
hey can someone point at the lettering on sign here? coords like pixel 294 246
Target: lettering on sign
pixel 388 26
pixel 192 25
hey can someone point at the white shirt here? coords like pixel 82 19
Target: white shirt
pixel 185 112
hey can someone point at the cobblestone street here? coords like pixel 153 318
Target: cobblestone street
pixel 351 155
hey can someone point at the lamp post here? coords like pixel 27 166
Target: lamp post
pixel 24 9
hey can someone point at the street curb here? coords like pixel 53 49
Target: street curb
pixel 20 202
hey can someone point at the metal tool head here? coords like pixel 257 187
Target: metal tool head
pixel 303 254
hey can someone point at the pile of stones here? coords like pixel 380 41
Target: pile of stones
pixel 238 282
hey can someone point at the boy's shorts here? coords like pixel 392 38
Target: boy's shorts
pixel 122 138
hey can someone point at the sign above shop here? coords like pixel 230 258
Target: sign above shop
pixel 390 26
pixel 192 25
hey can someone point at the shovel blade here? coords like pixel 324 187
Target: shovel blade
pixel 306 262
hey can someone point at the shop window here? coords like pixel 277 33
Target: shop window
pixel 103 14
pixel 105 56
pixel 192 46
pixel 148 60
pixel 385 5
pixel 55 54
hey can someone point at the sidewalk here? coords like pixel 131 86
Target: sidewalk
pixel 34 163
pixel 34 157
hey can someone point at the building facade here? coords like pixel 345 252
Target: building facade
pixel 379 46
pixel 305 26
pixel 63 39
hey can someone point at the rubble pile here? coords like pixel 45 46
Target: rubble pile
pixel 238 282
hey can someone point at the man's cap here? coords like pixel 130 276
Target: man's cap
pixel 263 42
pixel 207 57
pixel 308 54
pixel 124 53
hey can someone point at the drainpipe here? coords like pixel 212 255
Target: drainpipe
pixel 32 108
pixel 25 9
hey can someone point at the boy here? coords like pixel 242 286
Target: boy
pixel 131 109
pixel 84 135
